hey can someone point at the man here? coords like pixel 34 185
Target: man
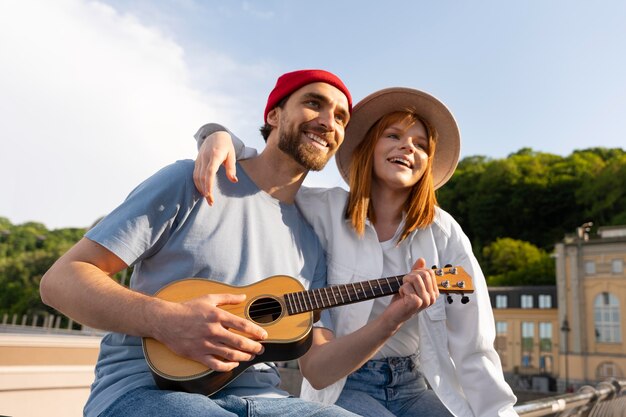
pixel 167 232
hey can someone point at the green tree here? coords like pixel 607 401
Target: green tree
pixel 27 251
pixel 512 262
pixel 604 195
pixel 529 195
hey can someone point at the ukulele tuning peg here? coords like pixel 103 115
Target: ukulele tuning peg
pixel 448 266
pixel 449 299
pixel 433 267
pixel 464 299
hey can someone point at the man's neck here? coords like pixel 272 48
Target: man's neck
pixel 275 173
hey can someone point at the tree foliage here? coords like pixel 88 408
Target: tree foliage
pixel 535 197
pixel 26 252
pixel 513 262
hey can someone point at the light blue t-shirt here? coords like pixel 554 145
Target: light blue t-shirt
pixel 167 231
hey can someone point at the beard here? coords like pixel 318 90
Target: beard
pixel 304 153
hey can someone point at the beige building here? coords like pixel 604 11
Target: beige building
pixel 527 337
pixel 570 335
pixel 591 284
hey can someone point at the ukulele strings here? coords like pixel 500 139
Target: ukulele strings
pixel 345 293
pixel 310 297
pixel 337 296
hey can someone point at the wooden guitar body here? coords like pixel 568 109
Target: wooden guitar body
pixel 289 336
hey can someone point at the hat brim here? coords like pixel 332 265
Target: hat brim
pixel 369 110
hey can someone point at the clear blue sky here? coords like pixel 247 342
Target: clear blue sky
pixel 96 96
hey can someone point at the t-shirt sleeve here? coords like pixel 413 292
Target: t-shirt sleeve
pixel 142 223
pixel 241 150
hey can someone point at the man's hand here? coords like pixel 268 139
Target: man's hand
pixel 199 330
pixel 418 291
pixel 217 149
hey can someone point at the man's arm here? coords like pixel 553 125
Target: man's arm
pixel 217 146
pixel 79 285
pixel 330 359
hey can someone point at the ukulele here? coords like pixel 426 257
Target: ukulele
pixel 280 305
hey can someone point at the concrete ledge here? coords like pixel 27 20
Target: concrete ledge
pixel 51 390
pixel 50 403
pixel 49 340
pixel 27 378
pixel 48 350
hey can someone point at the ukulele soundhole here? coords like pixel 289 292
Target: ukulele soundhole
pixel 265 310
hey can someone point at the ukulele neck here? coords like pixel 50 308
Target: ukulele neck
pixel 338 295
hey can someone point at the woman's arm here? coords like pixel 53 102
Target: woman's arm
pixel 471 335
pixel 330 359
pixel 217 146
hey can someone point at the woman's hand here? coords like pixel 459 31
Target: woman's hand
pixel 217 149
pixel 419 290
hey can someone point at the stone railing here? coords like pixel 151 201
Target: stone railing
pixel 49 323
pixel 608 398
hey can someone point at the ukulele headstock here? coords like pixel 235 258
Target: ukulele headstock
pixel 453 279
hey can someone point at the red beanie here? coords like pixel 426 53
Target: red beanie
pixel 291 81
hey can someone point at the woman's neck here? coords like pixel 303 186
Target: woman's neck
pixel 388 205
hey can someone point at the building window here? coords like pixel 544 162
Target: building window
pixel 617 266
pixel 545 337
pixel 502 327
pixel 607 318
pixel 527 301
pixel 528 341
pixel 590 267
pixel 545 363
pixel 502 301
pixel 608 370
pixel 545 301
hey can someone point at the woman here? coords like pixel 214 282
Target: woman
pixel 400 146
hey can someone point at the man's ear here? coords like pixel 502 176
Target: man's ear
pixel 273 116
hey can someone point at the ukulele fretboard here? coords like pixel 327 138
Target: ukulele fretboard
pixel 337 295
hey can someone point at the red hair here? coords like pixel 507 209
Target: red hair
pixel 419 205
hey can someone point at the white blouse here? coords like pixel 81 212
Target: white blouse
pixel 455 340
pixel 405 341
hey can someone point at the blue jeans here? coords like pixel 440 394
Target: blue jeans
pixel 153 402
pixel 390 387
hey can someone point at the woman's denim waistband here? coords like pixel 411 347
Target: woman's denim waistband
pixel 388 379
pixel 393 363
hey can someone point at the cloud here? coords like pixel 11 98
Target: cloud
pixel 251 9
pixel 92 103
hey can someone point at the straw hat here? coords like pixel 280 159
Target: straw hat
pixel 369 110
